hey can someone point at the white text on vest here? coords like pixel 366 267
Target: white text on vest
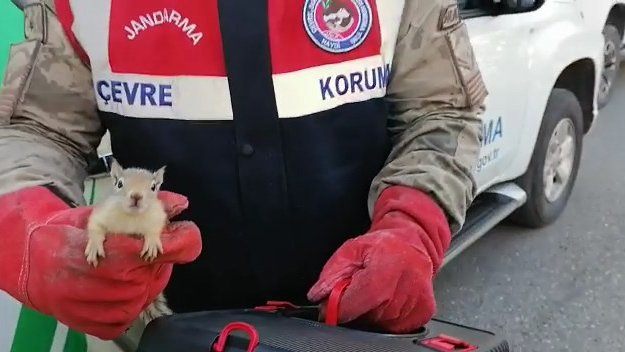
pixel 366 80
pixel 156 18
pixel 133 93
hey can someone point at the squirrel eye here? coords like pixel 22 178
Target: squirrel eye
pixel 153 186
pixel 119 183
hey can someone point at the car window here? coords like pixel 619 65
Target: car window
pixel 477 8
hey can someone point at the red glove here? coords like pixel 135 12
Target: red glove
pixel 42 262
pixel 392 266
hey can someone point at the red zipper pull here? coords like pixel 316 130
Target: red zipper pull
pixel 274 306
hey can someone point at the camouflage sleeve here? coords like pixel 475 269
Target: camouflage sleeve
pixel 48 121
pixel 435 96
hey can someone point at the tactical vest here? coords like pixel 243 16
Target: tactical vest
pixel 269 115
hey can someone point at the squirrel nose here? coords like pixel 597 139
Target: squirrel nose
pixel 136 197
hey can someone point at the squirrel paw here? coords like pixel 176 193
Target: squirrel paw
pixel 94 250
pixel 152 247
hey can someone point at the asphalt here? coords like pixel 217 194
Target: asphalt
pixel 559 288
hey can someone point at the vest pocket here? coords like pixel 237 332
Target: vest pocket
pixel 19 70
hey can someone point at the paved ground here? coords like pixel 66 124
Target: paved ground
pixel 561 288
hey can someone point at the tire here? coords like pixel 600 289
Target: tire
pixel 542 208
pixel 612 61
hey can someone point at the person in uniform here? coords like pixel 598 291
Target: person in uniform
pixel 307 141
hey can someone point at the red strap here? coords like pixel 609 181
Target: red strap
pixel 220 345
pixel 332 312
pixel 274 306
pixel 66 17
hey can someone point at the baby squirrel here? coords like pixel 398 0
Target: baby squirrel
pixel 134 209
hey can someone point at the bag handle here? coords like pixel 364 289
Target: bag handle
pixel 220 344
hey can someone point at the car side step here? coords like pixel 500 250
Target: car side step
pixel 488 210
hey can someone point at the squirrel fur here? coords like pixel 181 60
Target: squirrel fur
pixel 132 209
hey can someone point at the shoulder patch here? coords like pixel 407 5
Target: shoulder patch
pixel 337 26
pixel 449 17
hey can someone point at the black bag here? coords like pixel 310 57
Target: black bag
pixel 284 327
pixel 280 327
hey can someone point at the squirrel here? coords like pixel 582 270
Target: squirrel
pixel 132 209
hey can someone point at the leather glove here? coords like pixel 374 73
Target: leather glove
pixel 42 262
pixel 391 267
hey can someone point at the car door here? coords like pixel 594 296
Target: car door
pixel 500 46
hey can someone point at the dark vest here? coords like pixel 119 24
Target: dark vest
pixel 273 127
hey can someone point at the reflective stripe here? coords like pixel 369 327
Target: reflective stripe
pixel 323 88
pixel 91 27
pixel 182 97
pixel 298 93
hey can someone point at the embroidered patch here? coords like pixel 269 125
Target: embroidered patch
pixel 337 26
pixel 449 17
pixel 466 65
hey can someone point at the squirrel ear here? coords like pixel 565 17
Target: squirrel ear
pixel 116 169
pixel 159 175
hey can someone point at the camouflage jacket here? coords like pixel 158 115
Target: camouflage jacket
pixel 49 123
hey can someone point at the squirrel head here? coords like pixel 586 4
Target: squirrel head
pixel 136 189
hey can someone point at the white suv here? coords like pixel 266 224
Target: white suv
pixel 608 17
pixel 542 62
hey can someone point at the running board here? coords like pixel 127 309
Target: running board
pixel 488 210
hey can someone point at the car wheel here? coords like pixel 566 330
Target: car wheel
pixel 612 61
pixel 553 167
